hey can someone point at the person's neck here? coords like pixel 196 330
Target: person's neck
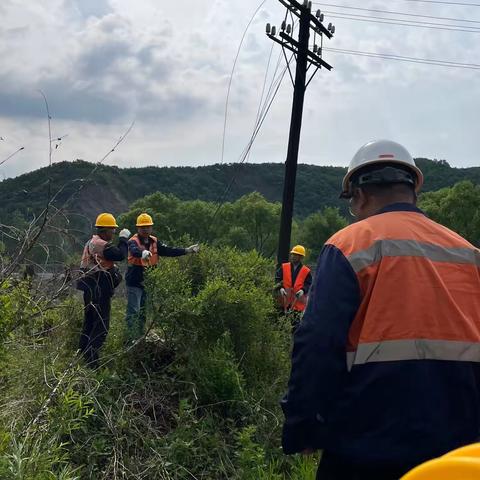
pixel 383 203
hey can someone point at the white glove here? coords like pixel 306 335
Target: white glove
pixel 146 254
pixel 125 233
pixel 300 294
pixel 193 249
pixel 283 292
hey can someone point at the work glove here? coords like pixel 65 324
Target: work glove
pixel 125 233
pixel 146 255
pixel 300 294
pixel 283 292
pixel 193 249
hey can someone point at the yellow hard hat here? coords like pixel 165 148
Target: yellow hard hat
pixel 299 250
pixel 144 220
pixel 446 468
pixel 472 450
pixel 106 220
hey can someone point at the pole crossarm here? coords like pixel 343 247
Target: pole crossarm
pixel 284 44
pixel 315 58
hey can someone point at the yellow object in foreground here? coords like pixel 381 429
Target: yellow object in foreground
pixel 460 464
pixel 472 451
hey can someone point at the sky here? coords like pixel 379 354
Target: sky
pixel 103 64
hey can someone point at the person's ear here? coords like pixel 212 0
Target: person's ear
pixel 362 199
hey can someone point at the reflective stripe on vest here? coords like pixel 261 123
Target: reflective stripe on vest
pixel 292 301
pixel 153 260
pixel 412 248
pixel 419 285
pixel 416 349
pixel 92 257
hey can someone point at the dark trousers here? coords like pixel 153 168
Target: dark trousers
pixel 96 323
pixel 334 468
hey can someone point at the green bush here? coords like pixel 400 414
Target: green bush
pixel 216 375
pixel 197 398
pixel 230 299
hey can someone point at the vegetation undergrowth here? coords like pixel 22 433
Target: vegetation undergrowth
pixel 196 399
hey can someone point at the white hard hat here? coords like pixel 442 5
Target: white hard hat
pixel 381 151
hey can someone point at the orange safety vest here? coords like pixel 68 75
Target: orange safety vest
pixel 419 285
pixel 153 260
pixel 92 257
pixel 291 301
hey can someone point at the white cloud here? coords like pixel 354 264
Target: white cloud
pixel 104 63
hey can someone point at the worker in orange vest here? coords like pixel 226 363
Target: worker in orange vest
pixel 386 361
pixel 98 280
pixel 144 251
pixel 293 281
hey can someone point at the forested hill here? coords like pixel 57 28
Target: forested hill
pixel 113 189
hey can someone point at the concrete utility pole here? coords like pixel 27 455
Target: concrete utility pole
pixel 306 58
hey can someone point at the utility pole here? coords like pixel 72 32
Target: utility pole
pixel 306 58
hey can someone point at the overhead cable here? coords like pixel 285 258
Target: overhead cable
pixel 390 56
pixel 392 12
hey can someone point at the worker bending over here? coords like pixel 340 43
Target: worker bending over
pixel 144 251
pixel 386 362
pixel 98 281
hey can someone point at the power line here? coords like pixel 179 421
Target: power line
pixel 391 12
pixel 276 83
pixel 247 149
pixel 11 155
pixel 262 113
pixel 403 23
pixel 420 22
pixel 388 56
pixel 231 75
pixel 260 110
pixel 462 4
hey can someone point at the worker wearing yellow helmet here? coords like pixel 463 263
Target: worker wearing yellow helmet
pixel 99 278
pixel 462 463
pixel 293 282
pixel 144 250
pixel 386 361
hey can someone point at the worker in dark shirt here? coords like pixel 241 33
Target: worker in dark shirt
pixel 386 362
pixel 144 251
pixel 100 277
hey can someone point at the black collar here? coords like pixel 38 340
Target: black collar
pixel 400 207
